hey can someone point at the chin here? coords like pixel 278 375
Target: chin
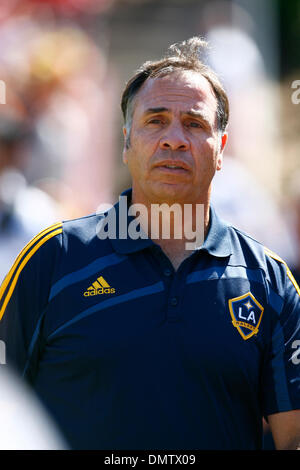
pixel 171 193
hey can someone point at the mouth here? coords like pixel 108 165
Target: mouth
pixel 172 166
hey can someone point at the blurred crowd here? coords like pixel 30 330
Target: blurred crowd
pixel 56 119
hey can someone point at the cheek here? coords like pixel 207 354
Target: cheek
pixel 213 149
pixel 141 150
pixel 213 144
pixel 206 149
pixel 135 160
pixel 207 160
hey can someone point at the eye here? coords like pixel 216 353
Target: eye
pixel 155 121
pixel 195 124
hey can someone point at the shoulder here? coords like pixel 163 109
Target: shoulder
pixel 58 249
pixel 75 243
pixel 253 254
pixel 34 263
pixel 63 235
pixel 42 254
pixel 83 229
pixel 49 237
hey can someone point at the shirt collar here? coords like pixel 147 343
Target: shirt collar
pixel 217 242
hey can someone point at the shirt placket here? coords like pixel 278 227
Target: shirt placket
pixel 174 283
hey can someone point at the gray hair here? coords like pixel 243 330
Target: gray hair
pixel 180 56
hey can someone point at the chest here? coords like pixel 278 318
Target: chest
pixel 210 319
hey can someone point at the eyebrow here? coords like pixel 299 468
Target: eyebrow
pixel 156 110
pixel 196 114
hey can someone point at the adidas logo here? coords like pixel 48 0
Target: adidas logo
pixel 99 287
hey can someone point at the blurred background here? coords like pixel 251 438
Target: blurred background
pixel 63 66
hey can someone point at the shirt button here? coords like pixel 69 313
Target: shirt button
pixel 167 272
pixel 174 301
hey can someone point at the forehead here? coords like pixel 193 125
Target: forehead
pixel 180 90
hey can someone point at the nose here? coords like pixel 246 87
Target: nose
pixel 174 139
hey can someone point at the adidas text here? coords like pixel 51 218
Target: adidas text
pixel 101 290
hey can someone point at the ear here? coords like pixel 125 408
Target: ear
pixel 224 139
pixel 125 159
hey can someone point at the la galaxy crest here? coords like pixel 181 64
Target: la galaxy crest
pixel 246 313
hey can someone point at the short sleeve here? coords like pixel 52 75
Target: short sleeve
pixel 23 296
pixel 281 374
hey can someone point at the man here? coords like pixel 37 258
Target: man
pixel 134 343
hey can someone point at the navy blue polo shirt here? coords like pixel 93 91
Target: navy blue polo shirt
pixel 127 353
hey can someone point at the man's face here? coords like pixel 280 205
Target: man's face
pixel 175 147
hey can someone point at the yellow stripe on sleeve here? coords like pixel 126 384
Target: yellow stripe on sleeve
pixel 288 271
pixel 273 255
pixel 21 254
pixel 14 272
pixel 290 275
